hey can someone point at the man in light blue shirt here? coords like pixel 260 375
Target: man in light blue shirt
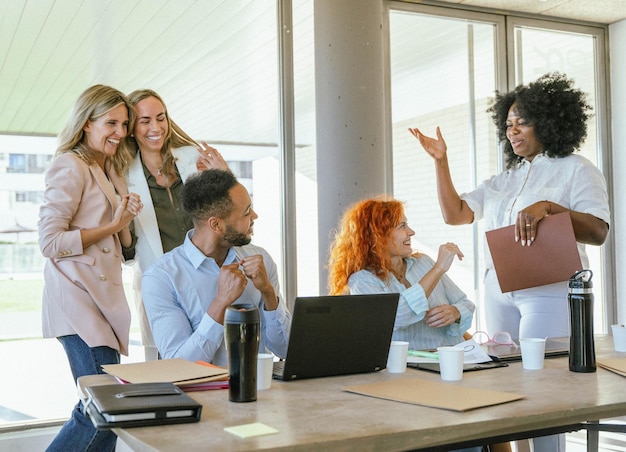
pixel 187 291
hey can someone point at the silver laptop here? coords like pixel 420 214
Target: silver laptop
pixel 555 347
pixel 338 335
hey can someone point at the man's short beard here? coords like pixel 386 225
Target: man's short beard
pixel 235 238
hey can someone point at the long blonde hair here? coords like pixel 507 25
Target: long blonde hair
pixel 175 137
pixel 94 102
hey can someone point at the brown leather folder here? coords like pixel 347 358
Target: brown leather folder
pixel 552 257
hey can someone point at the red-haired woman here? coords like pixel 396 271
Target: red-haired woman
pixel 372 253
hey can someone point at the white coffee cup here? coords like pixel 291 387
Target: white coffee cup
pixel 533 352
pixel 451 363
pixel 264 370
pixel 398 354
pixel 619 337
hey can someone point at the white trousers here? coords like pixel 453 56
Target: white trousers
pixel 536 312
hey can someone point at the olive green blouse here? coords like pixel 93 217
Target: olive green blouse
pixel 172 219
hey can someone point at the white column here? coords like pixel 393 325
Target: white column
pixel 350 110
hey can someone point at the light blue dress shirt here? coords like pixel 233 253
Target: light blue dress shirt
pixel 413 304
pixel 177 291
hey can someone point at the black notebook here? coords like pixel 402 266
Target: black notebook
pixel 469 367
pixel 139 404
pixel 338 335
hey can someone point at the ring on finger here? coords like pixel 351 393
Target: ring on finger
pixel 527 225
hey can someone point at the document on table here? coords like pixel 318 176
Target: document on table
pixel 434 394
pixel 175 370
pixel 616 365
pixel 473 354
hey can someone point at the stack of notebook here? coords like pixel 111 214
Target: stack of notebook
pixel 140 404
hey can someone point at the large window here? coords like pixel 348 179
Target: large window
pixel 575 51
pixel 444 71
pixel 215 64
pixel 305 155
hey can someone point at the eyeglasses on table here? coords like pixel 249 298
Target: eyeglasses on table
pixel 498 338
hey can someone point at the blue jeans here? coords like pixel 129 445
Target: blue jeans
pixel 78 434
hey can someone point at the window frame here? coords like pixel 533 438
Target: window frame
pixel 505 25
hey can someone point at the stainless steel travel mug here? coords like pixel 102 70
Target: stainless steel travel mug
pixel 241 336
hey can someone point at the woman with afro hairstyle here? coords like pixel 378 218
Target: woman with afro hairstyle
pixel 541 125
pixel 372 253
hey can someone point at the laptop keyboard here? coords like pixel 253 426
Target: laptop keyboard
pixel 279 368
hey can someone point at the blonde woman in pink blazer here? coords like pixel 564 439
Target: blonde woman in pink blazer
pixel 84 232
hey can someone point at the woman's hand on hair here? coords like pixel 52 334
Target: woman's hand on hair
pixel 210 158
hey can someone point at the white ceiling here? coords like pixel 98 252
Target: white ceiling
pixel 595 11
pixel 213 61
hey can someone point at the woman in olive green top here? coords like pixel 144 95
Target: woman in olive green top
pixel 165 157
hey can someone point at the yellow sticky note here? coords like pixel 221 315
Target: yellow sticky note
pixel 250 430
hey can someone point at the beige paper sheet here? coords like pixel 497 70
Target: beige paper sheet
pixel 175 370
pixel 434 394
pixel 617 365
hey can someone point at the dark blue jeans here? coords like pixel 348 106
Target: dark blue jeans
pixel 78 434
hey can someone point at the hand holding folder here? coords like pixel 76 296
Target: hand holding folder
pixel 552 257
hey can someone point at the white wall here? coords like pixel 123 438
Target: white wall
pixel 617 48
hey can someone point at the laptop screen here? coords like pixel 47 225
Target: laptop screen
pixel 338 335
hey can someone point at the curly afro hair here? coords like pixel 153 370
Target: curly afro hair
pixel 557 111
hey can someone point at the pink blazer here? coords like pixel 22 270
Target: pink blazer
pixel 83 291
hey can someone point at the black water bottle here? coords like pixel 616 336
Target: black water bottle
pixel 582 354
pixel 241 336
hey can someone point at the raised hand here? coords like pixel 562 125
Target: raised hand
pixel 435 147
pixel 447 251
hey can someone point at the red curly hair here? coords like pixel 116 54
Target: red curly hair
pixel 362 241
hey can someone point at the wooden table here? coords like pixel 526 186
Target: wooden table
pixel 317 414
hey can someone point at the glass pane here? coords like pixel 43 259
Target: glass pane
pixel 238 115
pixel 306 164
pixel 443 74
pixel 540 51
